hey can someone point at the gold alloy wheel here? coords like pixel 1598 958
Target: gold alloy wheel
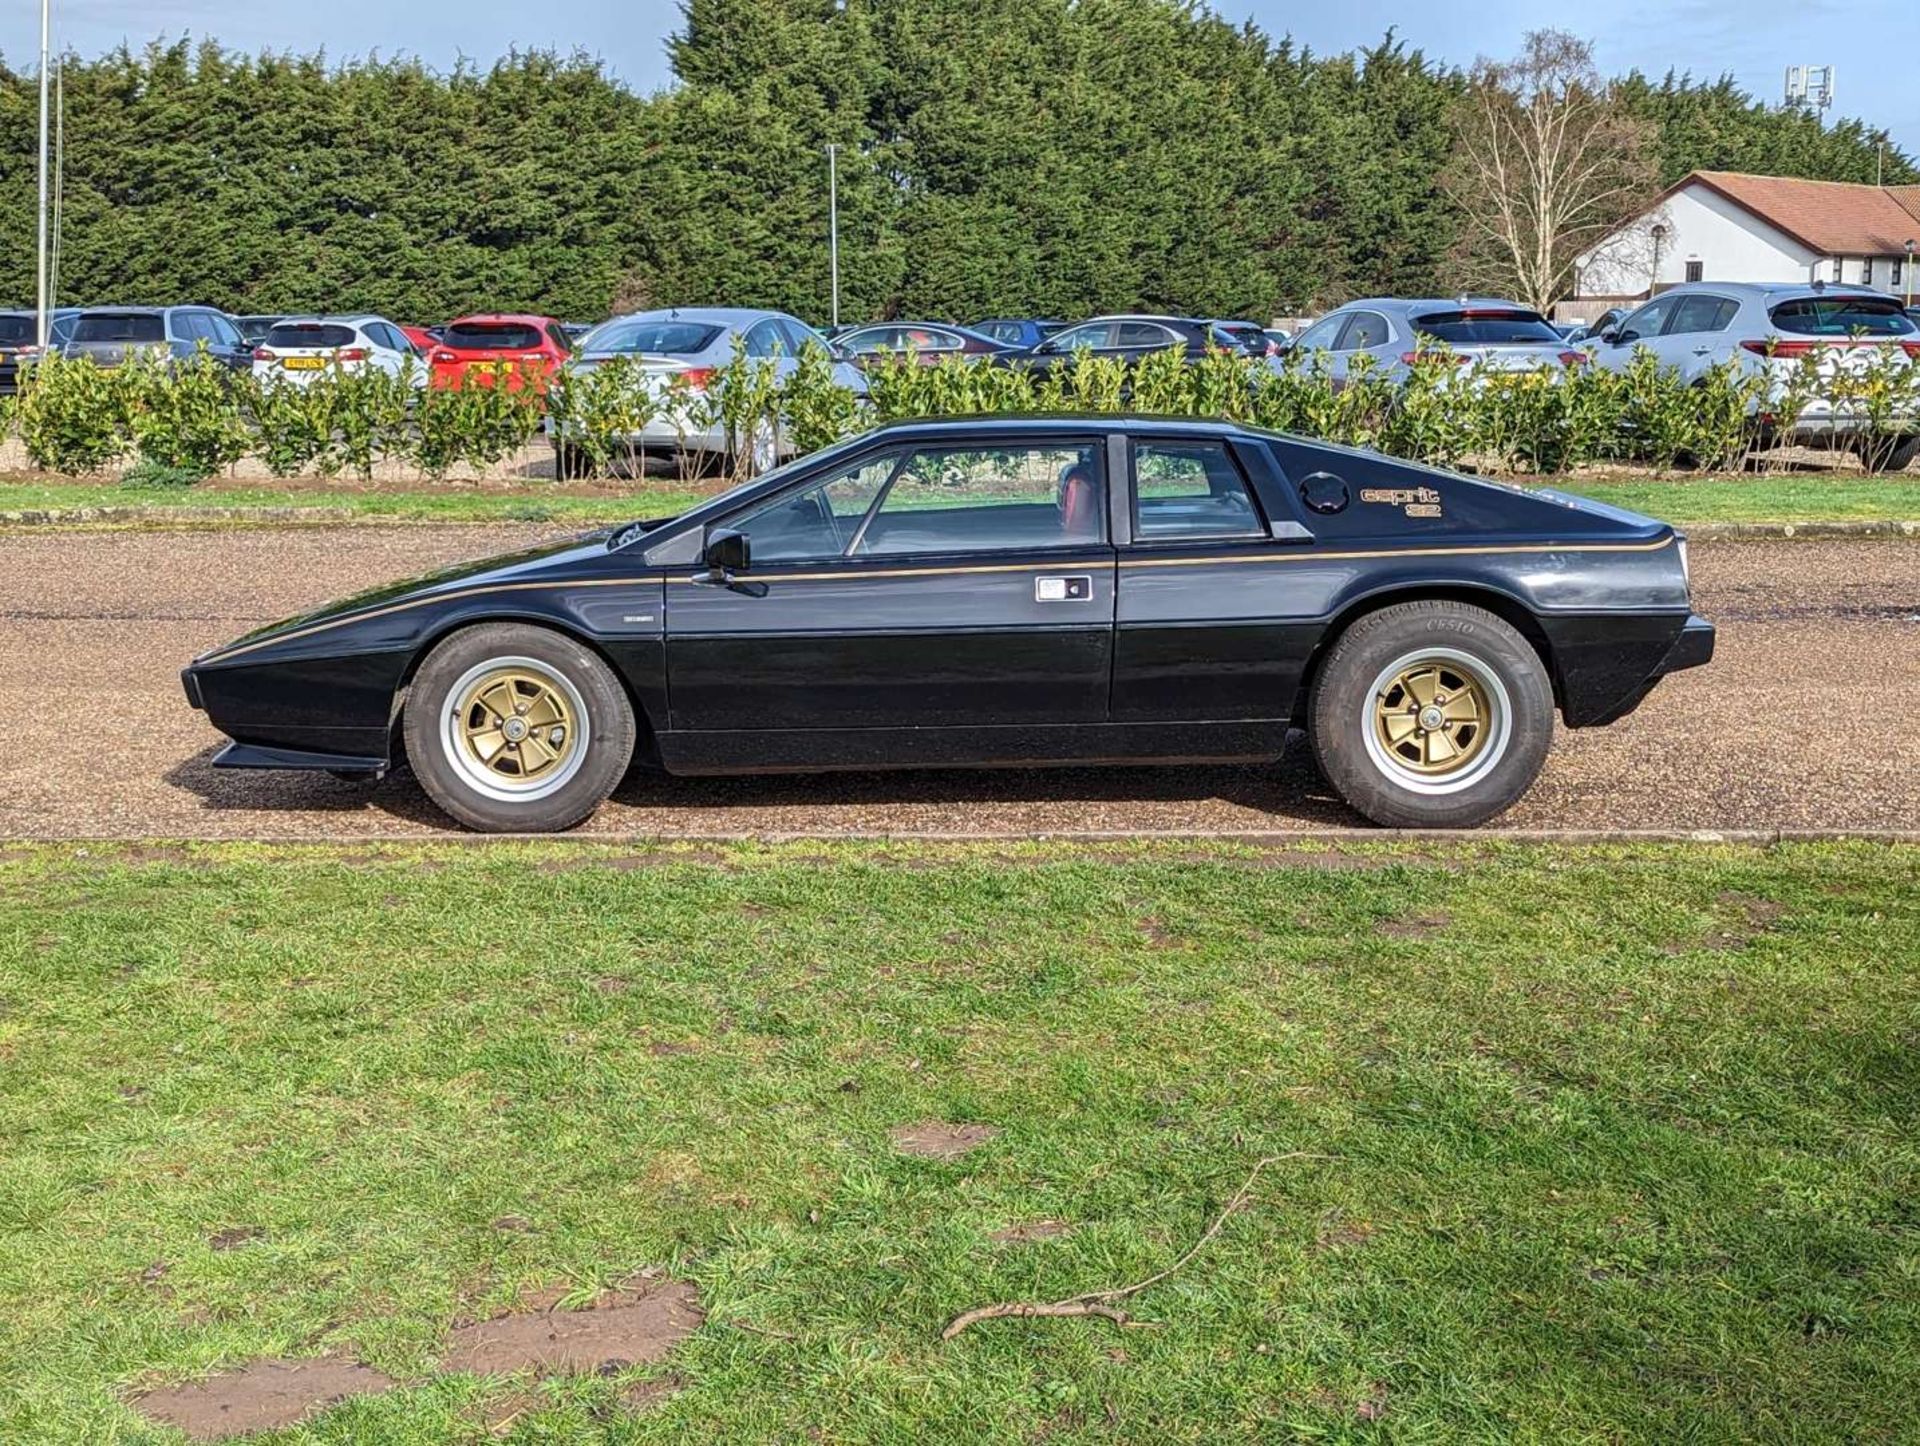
pixel 1433 717
pixel 515 724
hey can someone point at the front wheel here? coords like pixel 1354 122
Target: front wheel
pixel 1888 451
pixel 516 728
pixel 1431 714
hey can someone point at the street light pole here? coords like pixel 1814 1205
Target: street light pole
pixel 46 26
pixel 833 225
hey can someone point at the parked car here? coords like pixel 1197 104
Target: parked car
pixel 1768 329
pixel 1247 336
pixel 424 338
pixel 926 341
pixel 997 590
pixel 526 350
pixel 298 349
pixel 255 328
pixel 693 343
pixel 1586 331
pixel 109 335
pixel 1132 337
pixel 20 341
pixel 1018 333
pixel 1484 334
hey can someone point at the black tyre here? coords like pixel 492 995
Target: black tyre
pixel 1431 714
pixel 1888 452
pixel 516 728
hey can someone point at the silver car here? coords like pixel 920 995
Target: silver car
pixel 1768 330
pixel 694 343
pixel 1485 333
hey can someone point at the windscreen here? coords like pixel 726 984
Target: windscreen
pixel 491 336
pixel 311 333
pixel 19 330
pixel 1842 316
pixel 656 338
pixel 119 326
pixel 1485 328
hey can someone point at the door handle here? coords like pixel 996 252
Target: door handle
pixel 1077 587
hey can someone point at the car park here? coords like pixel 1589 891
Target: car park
pixel 678 351
pixel 1388 336
pixel 110 335
pixel 1128 338
pixel 997 590
pixel 20 341
pixel 1771 330
pixel 299 349
pixel 522 349
pixel 1017 332
pixel 926 342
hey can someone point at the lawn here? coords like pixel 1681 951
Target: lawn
pixel 1620 1142
pixel 1787 497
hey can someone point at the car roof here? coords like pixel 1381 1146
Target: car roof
pixel 1439 303
pixel 1775 289
pixel 527 317
pixel 1146 316
pixel 709 315
pixel 1016 424
pixel 344 318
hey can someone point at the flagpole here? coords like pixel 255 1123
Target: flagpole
pixel 46 26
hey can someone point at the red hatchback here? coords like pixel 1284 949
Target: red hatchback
pixel 524 349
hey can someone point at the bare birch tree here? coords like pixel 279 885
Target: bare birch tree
pixel 1547 162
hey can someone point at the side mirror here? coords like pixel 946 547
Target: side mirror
pixel 1612 338
pixel 1047 348
pixel 726 552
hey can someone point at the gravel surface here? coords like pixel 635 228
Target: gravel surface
pixel 1800 722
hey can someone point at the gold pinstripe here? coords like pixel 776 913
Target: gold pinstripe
pixel 1235 560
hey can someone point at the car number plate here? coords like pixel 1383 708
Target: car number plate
pixel 303 363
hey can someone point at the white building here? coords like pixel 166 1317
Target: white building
pixel 1726 226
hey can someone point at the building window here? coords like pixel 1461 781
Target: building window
pixel 1894 272
pixel 1866 271
pixel 1695 271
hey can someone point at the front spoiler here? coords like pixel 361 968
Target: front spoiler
pixel 1692 649
pixel 254 755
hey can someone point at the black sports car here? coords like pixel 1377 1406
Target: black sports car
pixel 998 590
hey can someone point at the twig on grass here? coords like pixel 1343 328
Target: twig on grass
pixel 1100 1302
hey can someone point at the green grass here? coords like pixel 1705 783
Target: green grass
pixel 1801 497
pixel 1623 1139
pixel 531 503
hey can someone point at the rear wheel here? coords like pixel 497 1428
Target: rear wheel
pixel 1431 714
pixel 1888 451
pixel 516 728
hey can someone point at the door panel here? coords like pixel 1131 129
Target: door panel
pixel 916 587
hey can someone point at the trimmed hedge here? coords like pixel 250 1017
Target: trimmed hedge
pixel 195 418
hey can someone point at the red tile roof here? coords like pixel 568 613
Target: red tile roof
pixel 1835 218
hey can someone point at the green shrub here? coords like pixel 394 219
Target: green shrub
pixel 72 415
pixel 147 475
pixel 187 415
pixel 597 414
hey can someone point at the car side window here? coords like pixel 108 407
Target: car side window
pixel 1190 490
pixel 558 338
pixel 1145 333
pixel 1647 322
pixel 800 336
pixel 191 326
pixel 229 333
pixel 764 339
pixel 989 499
pixel 1364 329
pixel 1096 333
pixel 1322 334
pixel 1701 313
pixel 818 522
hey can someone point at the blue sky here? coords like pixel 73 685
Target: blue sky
pixel 1873 42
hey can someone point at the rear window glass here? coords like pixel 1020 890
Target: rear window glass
pixel 310 334
pixel 491 336
pixel 1842 316
pixel 1485 328
pixel 657 338
pixel 18 328
pixel 119 326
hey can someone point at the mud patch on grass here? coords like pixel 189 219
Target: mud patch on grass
pixel 666 1048
pixel 234 1236
pixel 622 1328
pixel 1027 1231
pixel 259 1396
pixel 1156 933
pixel 1415 926
pixel 1342 1234
pixel 648 1395
pixel 939 1140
